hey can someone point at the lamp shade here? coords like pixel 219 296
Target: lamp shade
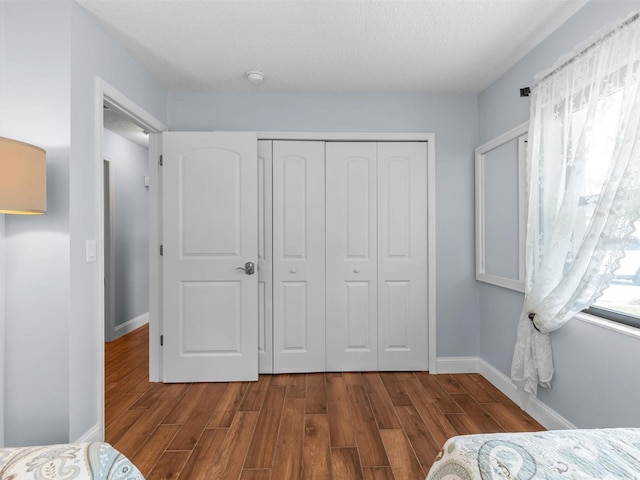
pixel 23 178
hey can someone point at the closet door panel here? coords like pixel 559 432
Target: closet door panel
pixel 265 258
pixel 397 298
pixel 298 257
pixel 295 317
pixel 402 260
pixel 351 226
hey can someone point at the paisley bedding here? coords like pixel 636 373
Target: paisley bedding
pixel 561 454
pixel 86 461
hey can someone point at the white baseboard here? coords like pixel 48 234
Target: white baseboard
pixel 458 364
pixel 131 325
pixel 91 435
pixel 546 416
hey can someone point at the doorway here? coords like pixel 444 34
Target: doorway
pixel 134 117
pixel 126 223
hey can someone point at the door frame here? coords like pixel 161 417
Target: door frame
pixel 105 93
pixel 155 327
pixel 109 254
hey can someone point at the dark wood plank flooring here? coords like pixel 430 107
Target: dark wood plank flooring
pixel 372 425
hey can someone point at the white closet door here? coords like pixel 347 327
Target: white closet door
pixel 265 258
pixel 402 256
pixel 351 235
pixel 298 257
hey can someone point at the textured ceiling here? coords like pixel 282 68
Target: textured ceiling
pixel 330 46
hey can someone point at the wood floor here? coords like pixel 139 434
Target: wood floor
pixel 369 426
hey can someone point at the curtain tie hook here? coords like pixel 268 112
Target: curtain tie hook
pixel 531 317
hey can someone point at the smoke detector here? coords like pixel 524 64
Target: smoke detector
pixel 254 76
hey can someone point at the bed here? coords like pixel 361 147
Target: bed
pixel 85 461
pixel 560 454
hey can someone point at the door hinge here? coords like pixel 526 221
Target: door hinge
pixel 162 340
pixel 161 164
pixel 161 250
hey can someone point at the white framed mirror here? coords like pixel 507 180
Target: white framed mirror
pixel 501 209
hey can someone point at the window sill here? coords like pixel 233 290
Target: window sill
pixel 609 324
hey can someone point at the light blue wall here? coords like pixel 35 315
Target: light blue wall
pixel 453 119
pixel 129 166
pixel 501 211
pixel 2 322
pixel 596 382
pixel 51 53
pixel 93 54
pixel 2 247
pixel 36 89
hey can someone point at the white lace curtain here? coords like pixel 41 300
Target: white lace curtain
pixel 583 172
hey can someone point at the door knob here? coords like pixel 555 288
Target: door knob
pixel 249 268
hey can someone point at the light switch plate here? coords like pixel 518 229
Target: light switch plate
pixel 91 251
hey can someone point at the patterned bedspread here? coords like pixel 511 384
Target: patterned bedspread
pixel 561 454
pixel 86 461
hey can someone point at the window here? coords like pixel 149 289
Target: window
pixel 584 175
pixel 621 301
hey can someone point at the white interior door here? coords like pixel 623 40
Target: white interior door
pixel 298 257
pixel 210 221
pixel 402 256
pixel 351 235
